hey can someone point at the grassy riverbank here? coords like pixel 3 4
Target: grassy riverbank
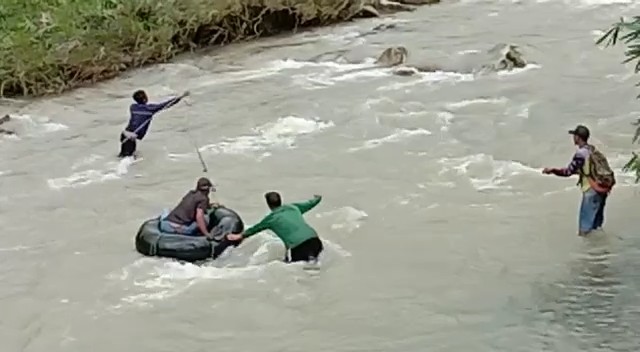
pixel 51 46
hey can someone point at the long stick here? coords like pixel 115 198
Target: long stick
pixel 195 145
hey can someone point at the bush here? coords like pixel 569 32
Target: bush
pixel 629 33
pixel 50 46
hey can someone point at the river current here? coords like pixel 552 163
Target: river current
pixel 441 232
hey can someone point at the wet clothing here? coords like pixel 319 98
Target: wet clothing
pixel 139 121
pixel 189 230
pixel 141 115
pixel 288 223
pixel 183 217
pixel 127 146
pixel 591 213
pixel 306 251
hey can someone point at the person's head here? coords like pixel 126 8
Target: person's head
pixel 273 199
pixel 580 135
pixel 205 186
pixel 140 96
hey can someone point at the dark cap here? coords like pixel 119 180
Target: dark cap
pixel 204 183
pixel 581 131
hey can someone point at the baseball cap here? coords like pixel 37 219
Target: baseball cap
pixel 580 131
pixel 204 183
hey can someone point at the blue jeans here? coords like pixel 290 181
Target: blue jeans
pixel 591 211
pixel 189 230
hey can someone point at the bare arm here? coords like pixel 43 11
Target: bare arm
pixel 202 225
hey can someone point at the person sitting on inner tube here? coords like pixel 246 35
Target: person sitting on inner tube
pixel 189 216
pixel 287 222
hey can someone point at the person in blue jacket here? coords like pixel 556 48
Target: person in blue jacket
pixel 142 112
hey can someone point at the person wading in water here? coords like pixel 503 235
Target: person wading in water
pixel 286 221
pixel 596 180
pixel 141 114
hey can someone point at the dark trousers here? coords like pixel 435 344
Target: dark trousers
pixel 127 146
pixel 306 251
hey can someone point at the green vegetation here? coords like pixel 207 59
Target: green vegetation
pixel 49 46
pixel 628 32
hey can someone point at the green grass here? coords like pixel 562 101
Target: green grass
pixel 50 46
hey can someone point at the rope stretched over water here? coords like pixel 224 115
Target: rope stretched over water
pixel 195 145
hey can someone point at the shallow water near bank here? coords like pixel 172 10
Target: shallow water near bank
pixel 441 232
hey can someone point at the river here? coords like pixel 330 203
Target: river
pixel 441 233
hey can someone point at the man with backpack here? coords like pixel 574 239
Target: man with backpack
pixel 596 179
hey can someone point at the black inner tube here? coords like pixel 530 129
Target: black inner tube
pixel 223 221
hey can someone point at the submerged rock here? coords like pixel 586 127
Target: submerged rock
pixel 3 120
pixel 501 57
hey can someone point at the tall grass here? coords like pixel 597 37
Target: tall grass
pixel 49 46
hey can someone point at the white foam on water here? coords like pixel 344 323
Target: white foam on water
pixel 36 125
pixel 154 279
pixel 345 218
pixel 621 77
pixel 335 72
pixel 279 134
pixel 352 37
pixel 272 68
pixel 351 76
pixel 484 172
pixel 371 103
pixel 11 137
pixel 113 171
pixel 421 78
pixel 399 135
pixel 332 247
pixel 519 70
pixel 407 198
pixel 334 66
pixel 521 111
pixel 470 51
pixel 86 161
pixel 353 34
pixel 15 248
pixel 465 103
pixel 444 118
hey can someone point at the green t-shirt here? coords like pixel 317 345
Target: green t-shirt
pixel 287 223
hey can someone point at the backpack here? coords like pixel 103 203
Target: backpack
pixel 599 169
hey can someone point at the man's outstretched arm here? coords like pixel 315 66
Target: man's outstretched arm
pixel 308 205
pixel 573 168
pixel 153 108
pixel 264 224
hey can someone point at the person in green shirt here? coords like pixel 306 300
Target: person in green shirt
pixel 286 221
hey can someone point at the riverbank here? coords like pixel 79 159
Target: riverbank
pixel 52 46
